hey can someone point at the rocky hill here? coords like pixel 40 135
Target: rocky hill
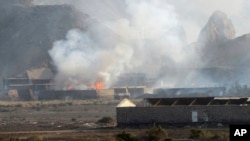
pixel 27 32
pixel 218 29
pixel 225 57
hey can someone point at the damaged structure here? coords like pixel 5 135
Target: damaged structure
pixel 186 111
pixel 35 79
pixel 28 85
pixel 37 84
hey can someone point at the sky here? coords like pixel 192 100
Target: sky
pixel 192 14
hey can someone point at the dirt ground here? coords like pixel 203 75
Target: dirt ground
pixel 65 121
pixel 62 116
pixel 56 120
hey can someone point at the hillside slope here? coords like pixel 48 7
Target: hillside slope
pixel 28 32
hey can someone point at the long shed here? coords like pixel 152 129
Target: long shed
pixel 187 111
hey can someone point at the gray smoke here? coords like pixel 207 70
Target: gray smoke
pixel 148 38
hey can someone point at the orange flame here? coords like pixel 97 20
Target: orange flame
pixel 98 85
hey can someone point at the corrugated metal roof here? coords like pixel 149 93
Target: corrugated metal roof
pixel 191 101
pixel 226 98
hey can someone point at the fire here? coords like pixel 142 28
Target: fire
pixel 98 85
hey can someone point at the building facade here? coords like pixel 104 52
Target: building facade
pixel 186 111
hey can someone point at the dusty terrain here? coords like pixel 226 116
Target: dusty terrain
pixel 56 120
pixel 67 121
pixel 53 115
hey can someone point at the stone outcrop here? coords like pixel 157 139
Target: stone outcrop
pixel 225 57
pixel 218 29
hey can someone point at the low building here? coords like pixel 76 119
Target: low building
pixel 29 84
pixel 35 79
pixel 135 92
pixel 67 95
pixel 105 94
pixel 121 93
pixel 189 92
pixel 186 111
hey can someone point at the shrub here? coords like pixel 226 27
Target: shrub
pixel 195 133
pixel 14 139
pixel 200 134
pixel 35 138
pixel 206 136
pixel 168 139
pixel 220 137
pixel 156 134
pixel 125 137
pixel 73 119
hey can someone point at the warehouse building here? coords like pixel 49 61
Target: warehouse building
pixel 186 111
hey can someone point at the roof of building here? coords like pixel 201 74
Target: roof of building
pixel 189 92
pixel 126 103
pixel 191 101
pixel 41 73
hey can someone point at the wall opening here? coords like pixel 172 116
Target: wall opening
pixel 194 116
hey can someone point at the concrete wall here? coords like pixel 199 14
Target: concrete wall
pixel 25 95
pixel 72 94
pixel 182 115
pixel 106 94
pixel 136 92
pixel 120 90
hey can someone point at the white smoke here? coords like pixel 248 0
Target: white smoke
pixel 148 37
pixel 81 63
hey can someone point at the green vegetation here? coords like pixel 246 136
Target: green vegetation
pixel 14 139
pixel 160 134
pixel 35 138
pixel 125 137
pixel 204 135
pixel 31 138
pixel 220 137
pixel 153 134
pixel 196 133
pixel 156 134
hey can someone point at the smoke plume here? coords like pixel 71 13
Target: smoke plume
pixel 147 39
